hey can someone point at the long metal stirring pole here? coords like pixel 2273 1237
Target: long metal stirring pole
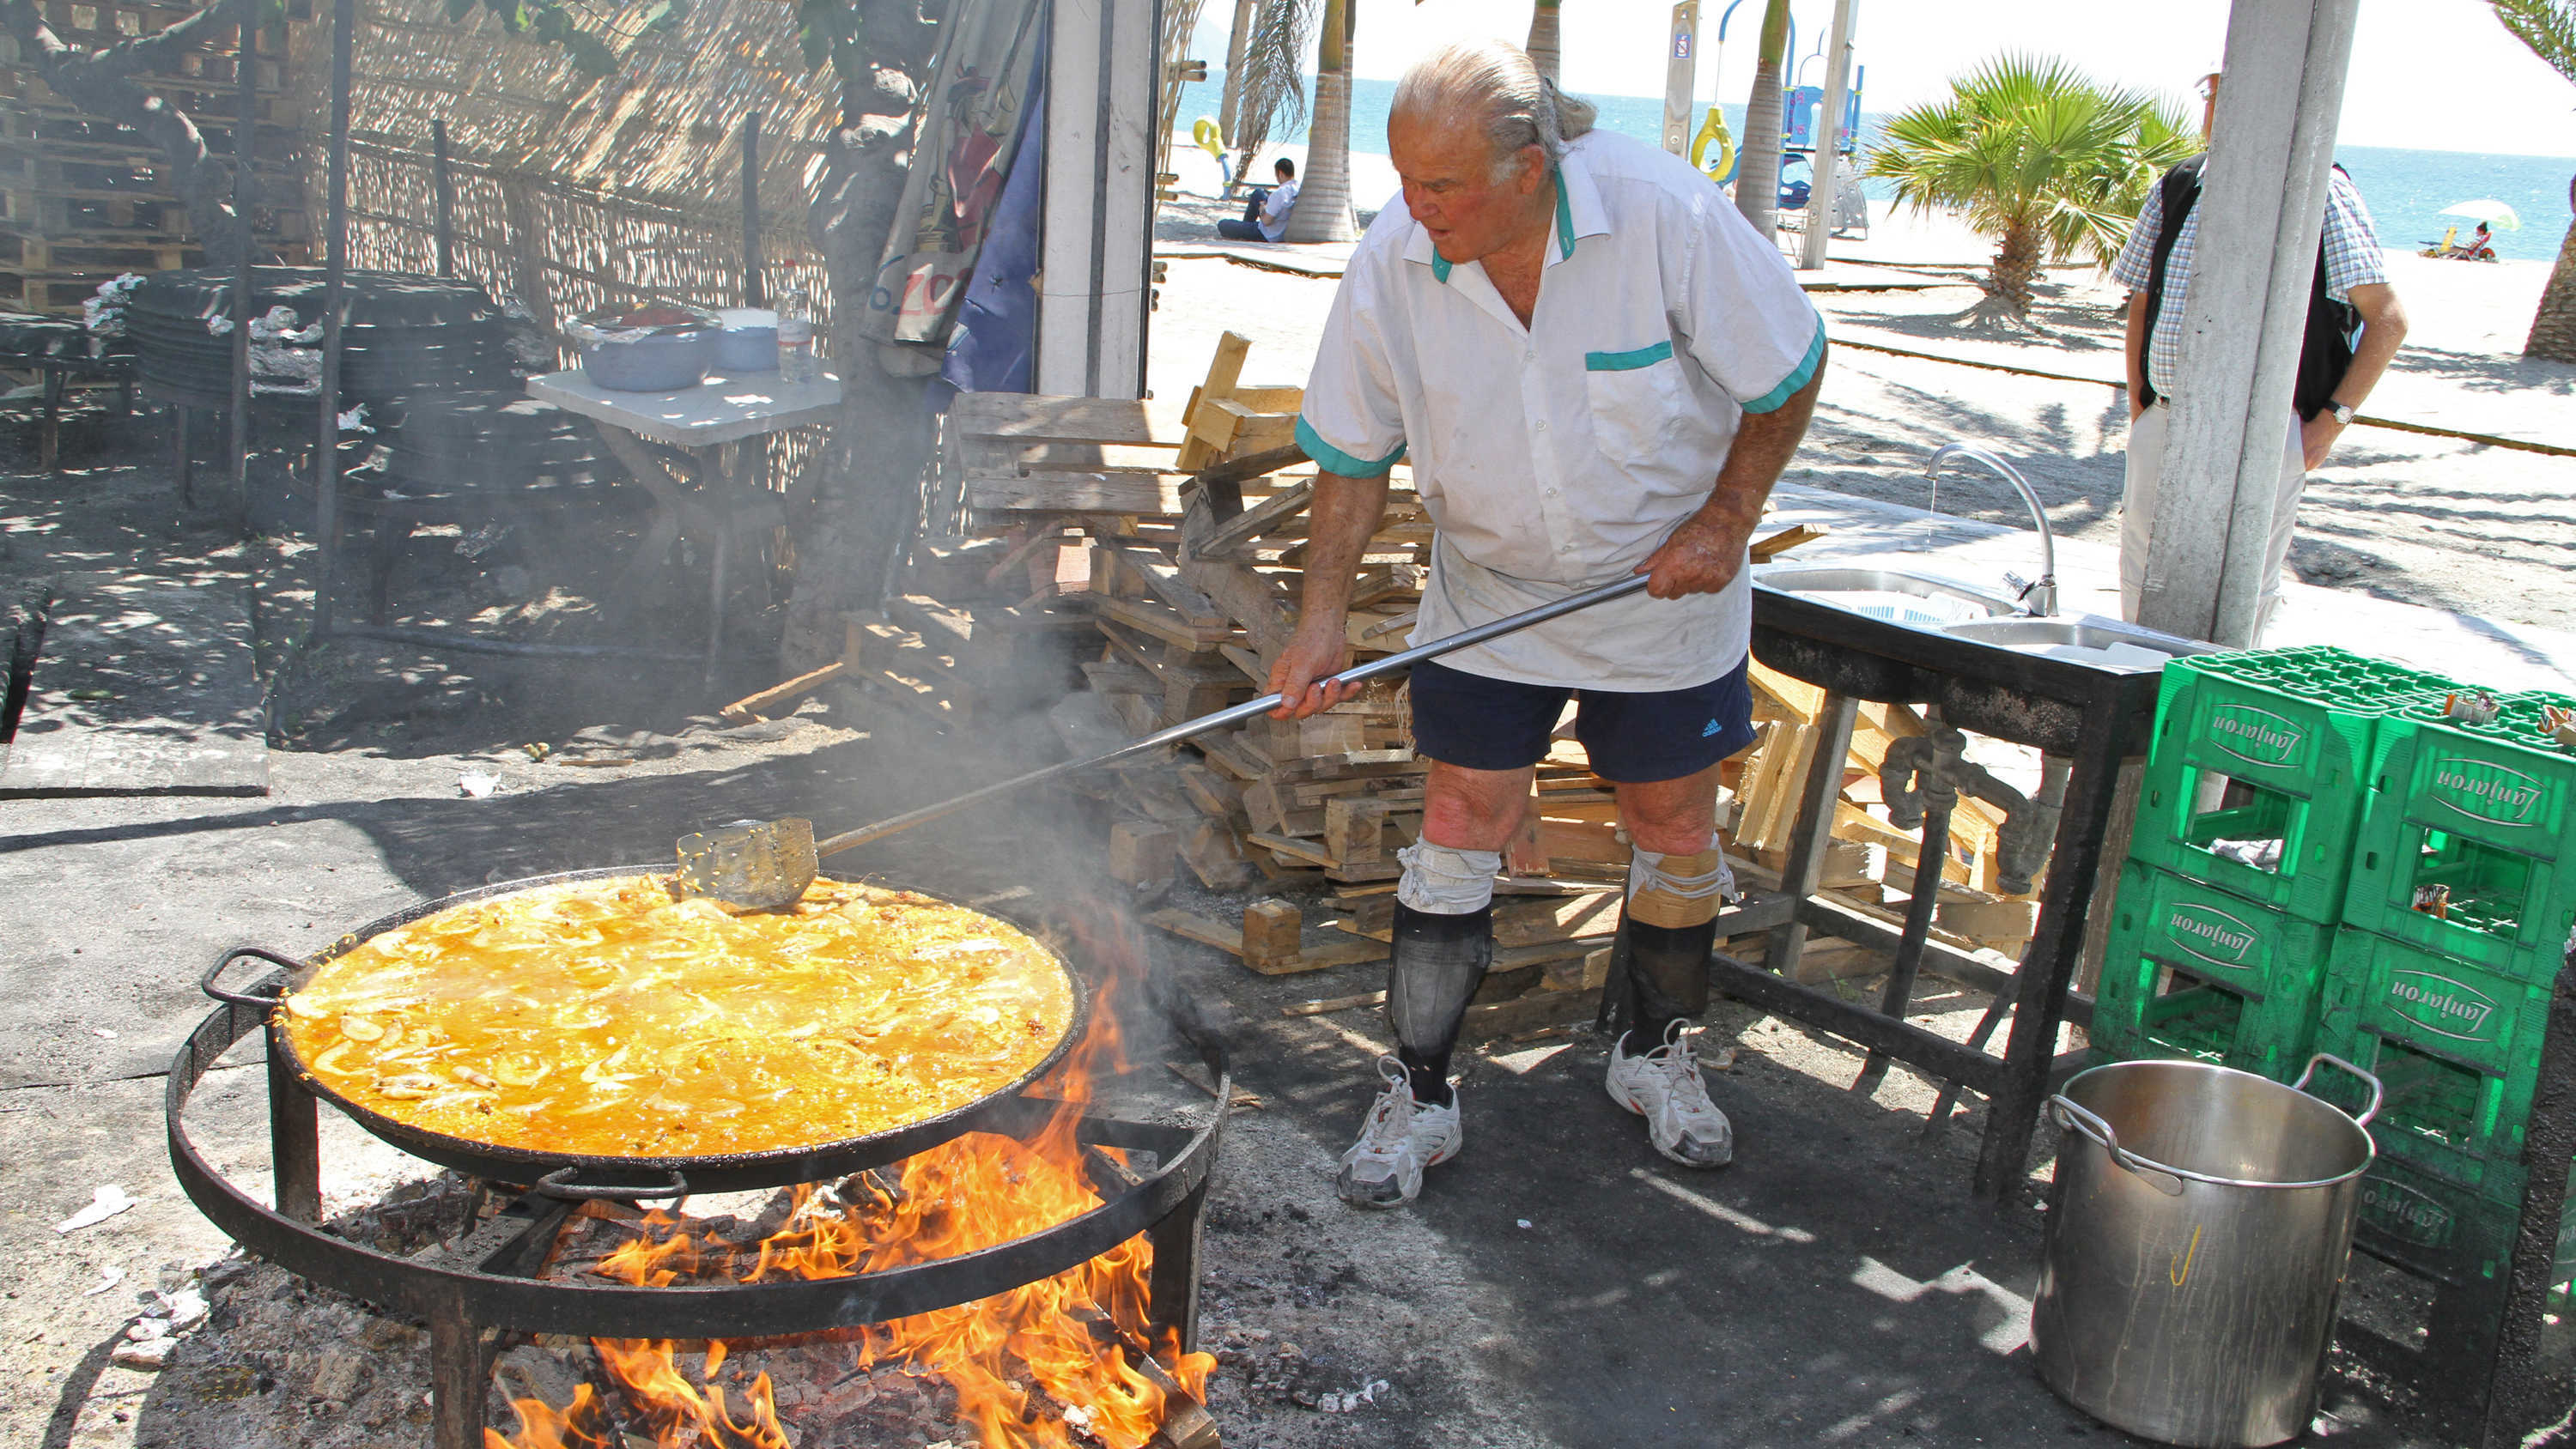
pixel 1190 729
pixel 326 455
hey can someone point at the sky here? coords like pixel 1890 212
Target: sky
pixel 2434 74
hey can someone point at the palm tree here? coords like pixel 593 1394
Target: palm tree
pixel 1542 45
pixel 1323 210
pixel 2549 28
pixel 2040 157
pixel 1757 167
pixel 1273 93
pixel 1229 110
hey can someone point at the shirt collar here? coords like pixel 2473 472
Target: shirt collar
pixel 1579 214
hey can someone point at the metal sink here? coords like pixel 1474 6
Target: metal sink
pixel 2087 639
pixel 1915 600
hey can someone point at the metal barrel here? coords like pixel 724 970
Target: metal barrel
pixel 2197 1235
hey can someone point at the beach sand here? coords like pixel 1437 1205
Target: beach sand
pixel 2444 522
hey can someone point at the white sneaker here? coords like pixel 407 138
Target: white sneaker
pixel 1664 1086
pixel 1400 1138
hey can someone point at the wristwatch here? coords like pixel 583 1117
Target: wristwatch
pixel 2342 413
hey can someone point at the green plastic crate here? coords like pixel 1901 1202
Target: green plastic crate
pixel 2436 1227
pixel 2456 1048
pixel 2294 729
pixel 2191 971
pixel 2484 810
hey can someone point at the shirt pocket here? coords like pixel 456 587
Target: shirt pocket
pixel 1636 399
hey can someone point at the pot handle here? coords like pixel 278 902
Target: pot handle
pixel 206 983
pixel 559 1184
pixel 2078 1119
pixel 2376 1092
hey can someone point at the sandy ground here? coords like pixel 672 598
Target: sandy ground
pixel 2444 522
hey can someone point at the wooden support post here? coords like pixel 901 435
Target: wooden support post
pixel 1272 932
pixel 443 188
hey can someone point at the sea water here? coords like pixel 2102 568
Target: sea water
pixel 2404 189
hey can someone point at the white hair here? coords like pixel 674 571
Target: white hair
pixel 1494 80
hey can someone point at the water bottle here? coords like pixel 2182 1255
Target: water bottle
pixel 796 360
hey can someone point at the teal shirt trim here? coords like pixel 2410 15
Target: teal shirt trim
pixel 1628 361
pixel 1439 268
pixel 1564 215
pixel 1334 460
pixel 1798 377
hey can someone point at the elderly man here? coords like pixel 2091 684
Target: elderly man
pixel 1598 368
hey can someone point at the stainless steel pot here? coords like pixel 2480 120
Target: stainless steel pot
pixel 2197 1236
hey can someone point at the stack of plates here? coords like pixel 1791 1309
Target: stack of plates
pixel 401 335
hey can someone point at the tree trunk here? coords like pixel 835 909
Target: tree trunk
pixel 1323 210
pixel 100 82
pixel 2553 327
pixel 1229 112
pixel 1757 169
pixel 1542 45
pixel 2007 287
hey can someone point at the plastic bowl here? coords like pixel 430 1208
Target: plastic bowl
pixel 749 341
pixel 664 362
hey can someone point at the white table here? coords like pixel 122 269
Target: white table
pixel 696 421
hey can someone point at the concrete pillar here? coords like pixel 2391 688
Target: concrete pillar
pixel 2262 207
pixel 1829 138
pixel 1097 240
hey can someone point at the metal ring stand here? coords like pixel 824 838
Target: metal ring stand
pixel 467 1307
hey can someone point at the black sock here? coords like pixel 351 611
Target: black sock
pixel 1429 1074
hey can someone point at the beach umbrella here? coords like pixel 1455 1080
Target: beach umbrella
pixel 2493 213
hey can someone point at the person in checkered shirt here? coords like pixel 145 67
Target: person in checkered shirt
pixel 2355 272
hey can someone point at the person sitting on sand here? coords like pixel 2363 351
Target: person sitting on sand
pixel 2480 248
pixel 1265 216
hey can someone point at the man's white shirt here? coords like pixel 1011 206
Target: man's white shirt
pixel 1275 208
pixel 1557 457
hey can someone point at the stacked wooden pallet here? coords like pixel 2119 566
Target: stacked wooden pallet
pixel 82 199
pixel 1871 861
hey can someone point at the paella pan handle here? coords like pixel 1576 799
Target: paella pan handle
pixel 2073 1118
pixel 206 983
pixel 2362 1119
pixel 559 1184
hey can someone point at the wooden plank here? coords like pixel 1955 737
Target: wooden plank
pixel 1213 854
pixel 1211 792
pixel 1070 419
pixel 1260 519
pixel 1153 618
pixel 1163 579
pixel 1304 850
pixel 1227 751
pixel 1774 545
pixel 1225 370
pixel 748 708
pixel 1197 928
pixel 1123 493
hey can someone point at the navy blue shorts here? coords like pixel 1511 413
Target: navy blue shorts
pixel 1633 737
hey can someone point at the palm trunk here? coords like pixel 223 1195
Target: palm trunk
pixel 1227 113
pixel 1542 45
pixel 2008 284
pixel 1323 210
pixel 1757 169
pixel 2553 328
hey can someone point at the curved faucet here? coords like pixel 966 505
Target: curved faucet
pixel 2038 599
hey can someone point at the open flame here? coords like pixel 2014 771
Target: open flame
pixel 1033 1367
